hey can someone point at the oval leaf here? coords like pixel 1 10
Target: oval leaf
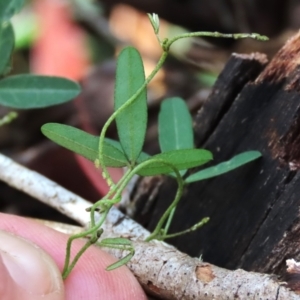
pixel 175 126
pixel 224 167
pixel 121 262
pixel 180 159
pixel 30 91
pixel 116 242
pixel 85 144
pixel 132 121
pixel 7 40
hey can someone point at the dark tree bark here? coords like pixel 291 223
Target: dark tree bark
pixel 254 210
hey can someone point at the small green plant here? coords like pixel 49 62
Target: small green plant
pixel 130 113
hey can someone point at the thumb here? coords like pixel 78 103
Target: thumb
pixel 26 271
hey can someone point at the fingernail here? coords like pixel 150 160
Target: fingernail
pixel 30 267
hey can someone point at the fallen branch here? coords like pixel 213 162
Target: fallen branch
pixel 161 269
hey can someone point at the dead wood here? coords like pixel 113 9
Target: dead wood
pixel 254 210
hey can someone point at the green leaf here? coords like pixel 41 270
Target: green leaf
pixel 7 40
pixel 142 157
pixel 132 121
pixel 8 8
pixel 116 241
pixel 175 125
pixel 85 144
pixel 30 91
pixel 224 167
pixel 121 262
pixel 180 159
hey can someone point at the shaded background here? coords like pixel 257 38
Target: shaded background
pixel 80 39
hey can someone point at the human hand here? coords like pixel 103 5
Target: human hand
pixel 32 257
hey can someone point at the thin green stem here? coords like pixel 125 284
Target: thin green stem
pixel 103 217
pixel 70 267
pixel 120 109
pixel 94 227
pixel 256 36
pixel 168 223
pixel 69 245
pixel 156 231
pixel 93 230
pixel 144 164
pixel 193 228
pixel 139 167
pixel 111 192
pixel 172 206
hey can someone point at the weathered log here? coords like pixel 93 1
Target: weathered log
pixel 254 210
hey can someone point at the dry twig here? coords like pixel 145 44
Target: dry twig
pixel 160 268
